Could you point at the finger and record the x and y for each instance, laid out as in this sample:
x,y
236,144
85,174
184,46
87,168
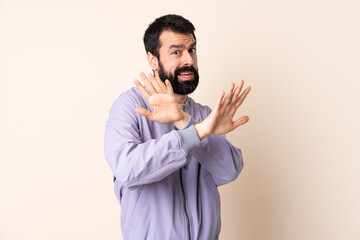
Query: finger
x,y
233,110
155,84
241,121
219,101
142,90
169,88
239,101
242,96
237,91
144,112
158,80
147,83
229,94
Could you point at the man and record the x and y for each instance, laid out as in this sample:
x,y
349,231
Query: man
x,y
168,153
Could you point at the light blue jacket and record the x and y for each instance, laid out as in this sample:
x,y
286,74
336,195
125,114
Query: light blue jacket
x,y
166,180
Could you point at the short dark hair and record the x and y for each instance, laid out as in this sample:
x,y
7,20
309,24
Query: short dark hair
x,y
175,23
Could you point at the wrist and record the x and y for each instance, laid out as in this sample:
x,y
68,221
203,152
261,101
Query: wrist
x,y
180,124
200,131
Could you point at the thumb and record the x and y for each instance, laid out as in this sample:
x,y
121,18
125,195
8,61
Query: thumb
x,y
241,121
144,112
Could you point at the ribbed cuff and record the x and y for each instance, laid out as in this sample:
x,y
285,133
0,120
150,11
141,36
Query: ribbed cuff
x,y
189,138
190,122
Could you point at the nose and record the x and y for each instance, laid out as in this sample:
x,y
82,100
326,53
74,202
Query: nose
x,y
187,59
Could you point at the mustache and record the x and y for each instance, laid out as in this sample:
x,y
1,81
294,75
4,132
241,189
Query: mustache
x,y
185,69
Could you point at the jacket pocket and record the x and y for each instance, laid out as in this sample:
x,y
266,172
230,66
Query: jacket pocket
x,y
139,207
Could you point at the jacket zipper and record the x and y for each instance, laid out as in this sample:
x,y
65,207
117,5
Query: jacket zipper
x,y
185,207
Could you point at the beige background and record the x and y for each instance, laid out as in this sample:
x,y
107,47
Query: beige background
x,y
63,63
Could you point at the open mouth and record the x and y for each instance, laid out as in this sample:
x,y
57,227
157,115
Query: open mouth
x,y
185,76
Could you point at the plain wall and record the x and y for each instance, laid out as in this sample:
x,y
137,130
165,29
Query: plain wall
x,y
63,63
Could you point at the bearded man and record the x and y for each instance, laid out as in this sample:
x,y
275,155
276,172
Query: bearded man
x,y
169,154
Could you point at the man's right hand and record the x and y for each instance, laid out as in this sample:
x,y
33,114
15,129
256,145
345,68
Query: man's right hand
x,y
161,98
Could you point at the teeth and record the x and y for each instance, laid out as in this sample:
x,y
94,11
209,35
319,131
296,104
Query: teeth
x,y
185,74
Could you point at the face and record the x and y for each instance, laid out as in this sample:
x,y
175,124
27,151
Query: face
x,y
178,61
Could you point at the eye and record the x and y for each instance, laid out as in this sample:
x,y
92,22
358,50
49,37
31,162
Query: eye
x,y
192,50
177,52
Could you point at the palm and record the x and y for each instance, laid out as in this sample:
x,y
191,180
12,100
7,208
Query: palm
x,y
165,108
161,98
219,123
220,120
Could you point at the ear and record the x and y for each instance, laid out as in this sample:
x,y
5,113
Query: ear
x,y
153,61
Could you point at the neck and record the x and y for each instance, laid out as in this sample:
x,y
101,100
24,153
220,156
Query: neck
x,y
181,99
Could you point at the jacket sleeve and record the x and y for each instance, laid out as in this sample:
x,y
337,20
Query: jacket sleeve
x,y
219,157
135,162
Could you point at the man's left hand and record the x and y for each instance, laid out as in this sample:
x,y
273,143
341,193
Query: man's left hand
x,y
220,120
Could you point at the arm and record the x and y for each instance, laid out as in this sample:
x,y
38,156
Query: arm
x,y
136,159
222,159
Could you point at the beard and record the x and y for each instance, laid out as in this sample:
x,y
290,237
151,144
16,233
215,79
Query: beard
x,y
180,87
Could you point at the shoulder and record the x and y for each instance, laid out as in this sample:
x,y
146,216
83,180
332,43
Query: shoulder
x,y
130,99
124,106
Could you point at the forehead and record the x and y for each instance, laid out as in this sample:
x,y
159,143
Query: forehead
x,y
168,38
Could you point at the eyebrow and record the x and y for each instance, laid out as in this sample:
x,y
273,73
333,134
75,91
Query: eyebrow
x,y
180,45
